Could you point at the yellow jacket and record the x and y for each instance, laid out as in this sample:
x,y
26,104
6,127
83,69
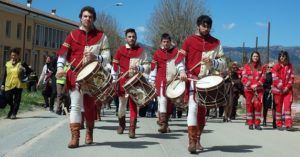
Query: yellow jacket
x,y
13,76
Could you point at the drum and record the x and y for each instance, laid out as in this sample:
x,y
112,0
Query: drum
x,y
210,91
175,93
139,90
95,81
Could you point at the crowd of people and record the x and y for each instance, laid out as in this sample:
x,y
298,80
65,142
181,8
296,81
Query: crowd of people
x,y
264,86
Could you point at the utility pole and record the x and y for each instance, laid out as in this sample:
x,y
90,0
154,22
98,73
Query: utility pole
x,y
268,44
243,53
256,44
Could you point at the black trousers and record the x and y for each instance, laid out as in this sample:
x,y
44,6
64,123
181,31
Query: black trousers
x,y
13,98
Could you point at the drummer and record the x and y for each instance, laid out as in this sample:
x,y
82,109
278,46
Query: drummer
x,y
127,61
200,53
162,73
83,45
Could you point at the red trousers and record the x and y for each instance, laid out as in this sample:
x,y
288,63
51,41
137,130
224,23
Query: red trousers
x,y
285,101
253,107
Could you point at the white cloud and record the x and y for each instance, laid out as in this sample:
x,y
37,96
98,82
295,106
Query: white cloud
x,y
229,26
141,29
261,24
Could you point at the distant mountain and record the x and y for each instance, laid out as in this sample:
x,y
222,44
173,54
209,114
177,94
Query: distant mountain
x,y
235,54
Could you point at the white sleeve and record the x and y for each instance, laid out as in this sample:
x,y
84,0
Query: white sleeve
x,y
114,74
220,62
180,67
152,76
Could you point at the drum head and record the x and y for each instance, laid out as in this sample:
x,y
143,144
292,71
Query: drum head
x,y
175,89
208,82
132,79
86,70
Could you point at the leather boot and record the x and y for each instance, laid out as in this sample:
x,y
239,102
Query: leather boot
x,y
199,132
122,125
158,122
164,123
132,128
192,131
74,127
89,132
82,120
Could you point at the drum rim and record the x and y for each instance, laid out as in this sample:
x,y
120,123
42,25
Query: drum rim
x,y
98,66
133,79
212,86
176,96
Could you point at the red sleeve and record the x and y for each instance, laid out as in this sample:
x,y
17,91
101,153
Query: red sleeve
x,y
65,47
276,82
182,52
245,76
116,60
154,61
291,78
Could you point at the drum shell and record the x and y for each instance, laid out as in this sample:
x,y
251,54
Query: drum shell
x,y
139,90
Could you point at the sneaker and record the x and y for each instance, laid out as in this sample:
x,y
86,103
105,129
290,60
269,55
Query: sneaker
x,y
251,127
257,127
13,117
280,128
289,128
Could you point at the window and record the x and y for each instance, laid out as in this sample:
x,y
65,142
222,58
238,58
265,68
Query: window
x,y
37,34
19,31
6,55
8,28
28,36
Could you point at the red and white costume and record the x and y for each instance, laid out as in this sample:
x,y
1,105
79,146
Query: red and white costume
x,y
195,49
253,75
124,58
163,71
72,51
283,77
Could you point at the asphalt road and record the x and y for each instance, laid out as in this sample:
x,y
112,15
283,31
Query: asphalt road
x,y
44,134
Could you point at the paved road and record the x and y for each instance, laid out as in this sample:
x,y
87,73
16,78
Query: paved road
x,y
45,134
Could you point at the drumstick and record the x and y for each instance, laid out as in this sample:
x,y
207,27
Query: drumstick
x,y
122,76
78,65
176,85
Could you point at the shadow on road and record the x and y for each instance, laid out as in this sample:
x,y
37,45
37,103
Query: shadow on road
x,y
233,149
37,117
125,145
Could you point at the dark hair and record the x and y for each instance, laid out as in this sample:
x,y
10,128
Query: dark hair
x,y
130,30
90,10
255,52
204,19
165,36
15,50
284,53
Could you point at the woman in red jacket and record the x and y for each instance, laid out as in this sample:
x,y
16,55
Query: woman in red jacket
x,y
282,88
252,79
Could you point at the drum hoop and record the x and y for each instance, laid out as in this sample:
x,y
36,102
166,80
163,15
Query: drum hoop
x,y
88,76
177,95
211,88
133,81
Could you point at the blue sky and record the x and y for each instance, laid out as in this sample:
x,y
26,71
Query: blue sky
x,y
234,21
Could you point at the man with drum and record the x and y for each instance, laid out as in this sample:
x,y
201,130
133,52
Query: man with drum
x,y
127,61
82,46
163,71
200,54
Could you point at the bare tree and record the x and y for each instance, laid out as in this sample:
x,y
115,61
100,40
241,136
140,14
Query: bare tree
x,y
176,17
110,27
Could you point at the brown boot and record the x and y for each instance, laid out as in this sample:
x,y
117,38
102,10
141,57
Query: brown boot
x,y
192,130
132,128
122,125
89,132
198,144
74,127
82,120
164,123
158,122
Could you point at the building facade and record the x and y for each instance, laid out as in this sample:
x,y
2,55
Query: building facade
x,y
36,33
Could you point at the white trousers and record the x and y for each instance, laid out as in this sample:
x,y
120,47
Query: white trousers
x,y
162,101
76,105
122,106
193,107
